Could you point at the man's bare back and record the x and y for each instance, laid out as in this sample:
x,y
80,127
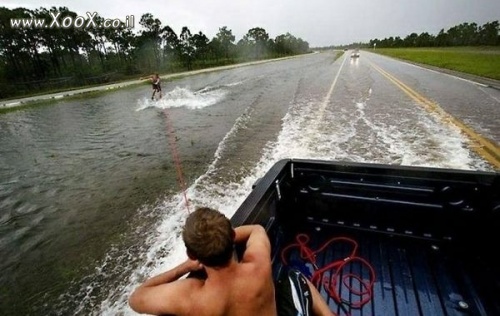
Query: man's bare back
x,y
240,289
230,286
235,287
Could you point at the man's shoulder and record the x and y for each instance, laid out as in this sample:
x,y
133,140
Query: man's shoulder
x,y
255,267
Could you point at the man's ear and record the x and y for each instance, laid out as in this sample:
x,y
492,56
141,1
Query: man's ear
x,y
233,234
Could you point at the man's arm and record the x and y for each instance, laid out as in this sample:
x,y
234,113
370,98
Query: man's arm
x,y
158,295
257,242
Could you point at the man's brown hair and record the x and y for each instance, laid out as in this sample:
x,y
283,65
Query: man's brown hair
x,y
209,237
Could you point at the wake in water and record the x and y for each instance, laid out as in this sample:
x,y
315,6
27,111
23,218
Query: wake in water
x,y
184,97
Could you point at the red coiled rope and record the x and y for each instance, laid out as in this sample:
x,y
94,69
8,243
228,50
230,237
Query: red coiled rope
x,y
176,157
331,284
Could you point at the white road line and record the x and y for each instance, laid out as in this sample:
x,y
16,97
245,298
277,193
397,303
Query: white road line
x,y
330,92
490,95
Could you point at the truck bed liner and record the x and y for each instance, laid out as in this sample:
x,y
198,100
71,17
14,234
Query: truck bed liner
x,y
411,277
428,233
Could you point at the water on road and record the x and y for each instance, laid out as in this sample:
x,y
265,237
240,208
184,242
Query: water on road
x,y
89,200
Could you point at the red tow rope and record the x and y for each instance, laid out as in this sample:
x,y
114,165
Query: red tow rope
x,y
331,284
176,157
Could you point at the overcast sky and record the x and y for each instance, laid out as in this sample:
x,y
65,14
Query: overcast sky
x,y
319,22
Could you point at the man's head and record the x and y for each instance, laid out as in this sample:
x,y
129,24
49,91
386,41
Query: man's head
x,y
209,237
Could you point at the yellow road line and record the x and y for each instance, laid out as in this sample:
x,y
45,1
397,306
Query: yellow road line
x,y
481,145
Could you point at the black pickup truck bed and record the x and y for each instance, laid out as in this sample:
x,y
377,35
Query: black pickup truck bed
x,y
428,234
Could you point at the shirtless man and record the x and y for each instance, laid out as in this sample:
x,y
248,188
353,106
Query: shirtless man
x,y
230,287
156,85
155,81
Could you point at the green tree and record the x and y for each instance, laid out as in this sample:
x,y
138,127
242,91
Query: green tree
x,y
200,42
425,40
225,39
257,38
187,47
489,34
442,38
150,39
11,42
171,47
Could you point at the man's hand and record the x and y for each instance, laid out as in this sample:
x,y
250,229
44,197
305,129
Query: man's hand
x,y
192,265
174,274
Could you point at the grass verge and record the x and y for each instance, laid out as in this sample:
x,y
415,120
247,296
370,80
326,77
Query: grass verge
x,y
338,55
480,61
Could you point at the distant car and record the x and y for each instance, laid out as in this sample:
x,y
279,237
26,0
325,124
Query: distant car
x,y
355,55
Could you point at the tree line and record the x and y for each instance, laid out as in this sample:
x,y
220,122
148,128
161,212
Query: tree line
x,y
465,34
40,59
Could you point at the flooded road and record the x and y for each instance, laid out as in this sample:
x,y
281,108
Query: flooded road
x,y
89,200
